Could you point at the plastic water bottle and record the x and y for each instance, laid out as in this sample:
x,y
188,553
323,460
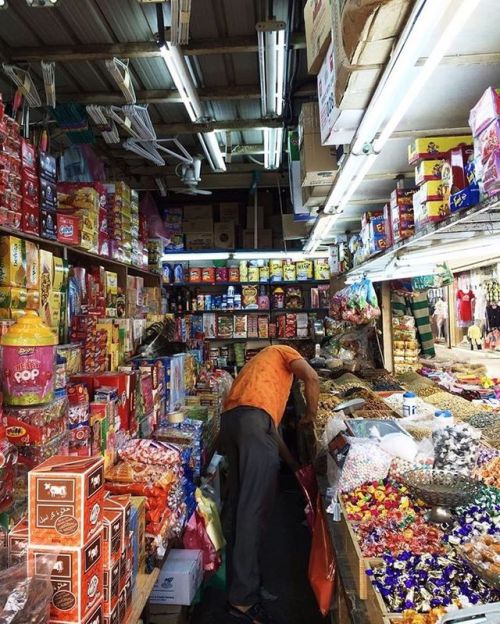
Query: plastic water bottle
x,y
443,418
409,404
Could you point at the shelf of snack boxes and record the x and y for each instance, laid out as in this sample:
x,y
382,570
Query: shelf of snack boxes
x,y
359,537
82,253
239,283
379,261
264,311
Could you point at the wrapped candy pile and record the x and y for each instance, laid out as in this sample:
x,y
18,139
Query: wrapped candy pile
x,y
423,582
397,533
378,499
456,447
472,521
489,473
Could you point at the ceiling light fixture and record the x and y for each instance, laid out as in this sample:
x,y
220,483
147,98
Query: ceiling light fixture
x,y
195,257
179,71
4,4
444,20
271,36
181,16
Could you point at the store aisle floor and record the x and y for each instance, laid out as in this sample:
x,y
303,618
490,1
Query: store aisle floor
x,y
285,570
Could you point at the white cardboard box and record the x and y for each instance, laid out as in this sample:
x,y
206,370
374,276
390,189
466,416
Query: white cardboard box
x,y
318,26
338,127
179,579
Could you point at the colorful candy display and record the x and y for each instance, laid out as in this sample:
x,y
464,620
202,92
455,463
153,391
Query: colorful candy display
x,y
397,533
376,499
423,582
472,521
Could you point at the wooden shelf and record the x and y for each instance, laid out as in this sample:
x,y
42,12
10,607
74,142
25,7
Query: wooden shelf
x,y
281,283
253,311
81,254
143,588
294,339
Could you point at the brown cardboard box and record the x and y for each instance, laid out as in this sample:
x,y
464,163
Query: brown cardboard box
x,y
293,230
309,122
65,500
318,166
197,225
314,196
264,239
224,235
318,24
250,216
200,211
200,240
229,211
363,33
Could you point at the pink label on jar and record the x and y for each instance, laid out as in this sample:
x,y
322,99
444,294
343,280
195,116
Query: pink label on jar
x,y
28,375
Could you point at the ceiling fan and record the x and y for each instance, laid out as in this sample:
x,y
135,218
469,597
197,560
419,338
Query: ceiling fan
x,y
189,173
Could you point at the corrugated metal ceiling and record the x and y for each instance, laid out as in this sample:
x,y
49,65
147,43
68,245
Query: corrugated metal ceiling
x,y
103,22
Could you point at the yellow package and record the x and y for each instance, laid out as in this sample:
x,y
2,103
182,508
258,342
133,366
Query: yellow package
x,y
32,266
55,301
428,170
432,148
289,271
321,269
433,190
46,276
58,275
276,270
12,261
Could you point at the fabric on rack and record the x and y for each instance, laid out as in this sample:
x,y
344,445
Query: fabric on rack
x,y
417,306
465,302
493,316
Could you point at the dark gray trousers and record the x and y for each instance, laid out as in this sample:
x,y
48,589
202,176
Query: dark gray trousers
x,y
248,440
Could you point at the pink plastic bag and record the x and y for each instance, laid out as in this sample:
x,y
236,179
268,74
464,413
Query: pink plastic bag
x,y
196,538
307,480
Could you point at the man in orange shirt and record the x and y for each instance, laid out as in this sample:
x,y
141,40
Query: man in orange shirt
x,y
250,440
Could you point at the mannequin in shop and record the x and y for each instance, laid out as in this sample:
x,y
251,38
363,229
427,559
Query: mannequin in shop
x,y
440,316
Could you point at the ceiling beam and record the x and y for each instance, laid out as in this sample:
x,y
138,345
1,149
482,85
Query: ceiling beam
x,y
138,50
214,181
175,129
149,169
171,96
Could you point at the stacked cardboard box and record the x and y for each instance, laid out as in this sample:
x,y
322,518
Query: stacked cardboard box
x,y
318,166
65,521
10,172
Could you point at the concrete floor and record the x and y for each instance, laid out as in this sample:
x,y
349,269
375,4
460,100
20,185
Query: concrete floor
x,y
285,566
463,354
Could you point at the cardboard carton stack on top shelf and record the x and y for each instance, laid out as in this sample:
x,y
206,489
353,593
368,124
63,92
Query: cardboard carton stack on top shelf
x,y
318,165
10,171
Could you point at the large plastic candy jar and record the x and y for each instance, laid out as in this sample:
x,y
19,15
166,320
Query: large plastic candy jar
x,y
28,362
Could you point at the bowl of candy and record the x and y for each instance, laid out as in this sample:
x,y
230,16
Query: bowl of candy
x,y
442,490
482,555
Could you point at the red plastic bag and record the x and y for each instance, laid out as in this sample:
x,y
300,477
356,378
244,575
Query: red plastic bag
x,y
196,538
306,477
322,566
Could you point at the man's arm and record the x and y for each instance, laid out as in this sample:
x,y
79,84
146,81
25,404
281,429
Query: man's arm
x,y
305,372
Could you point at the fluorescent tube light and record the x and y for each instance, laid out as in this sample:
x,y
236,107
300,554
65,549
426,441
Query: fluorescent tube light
x,y
194,257
4,4
276,255
271,36
320,229
273,145
176,65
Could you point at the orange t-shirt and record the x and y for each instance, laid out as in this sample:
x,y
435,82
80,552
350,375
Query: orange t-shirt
x,y
265,382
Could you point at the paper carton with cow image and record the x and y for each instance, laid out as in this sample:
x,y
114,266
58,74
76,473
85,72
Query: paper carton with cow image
x,y
66,501
77,579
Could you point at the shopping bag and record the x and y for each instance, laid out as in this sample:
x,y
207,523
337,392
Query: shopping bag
x,y
322,566
196,538
306,477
